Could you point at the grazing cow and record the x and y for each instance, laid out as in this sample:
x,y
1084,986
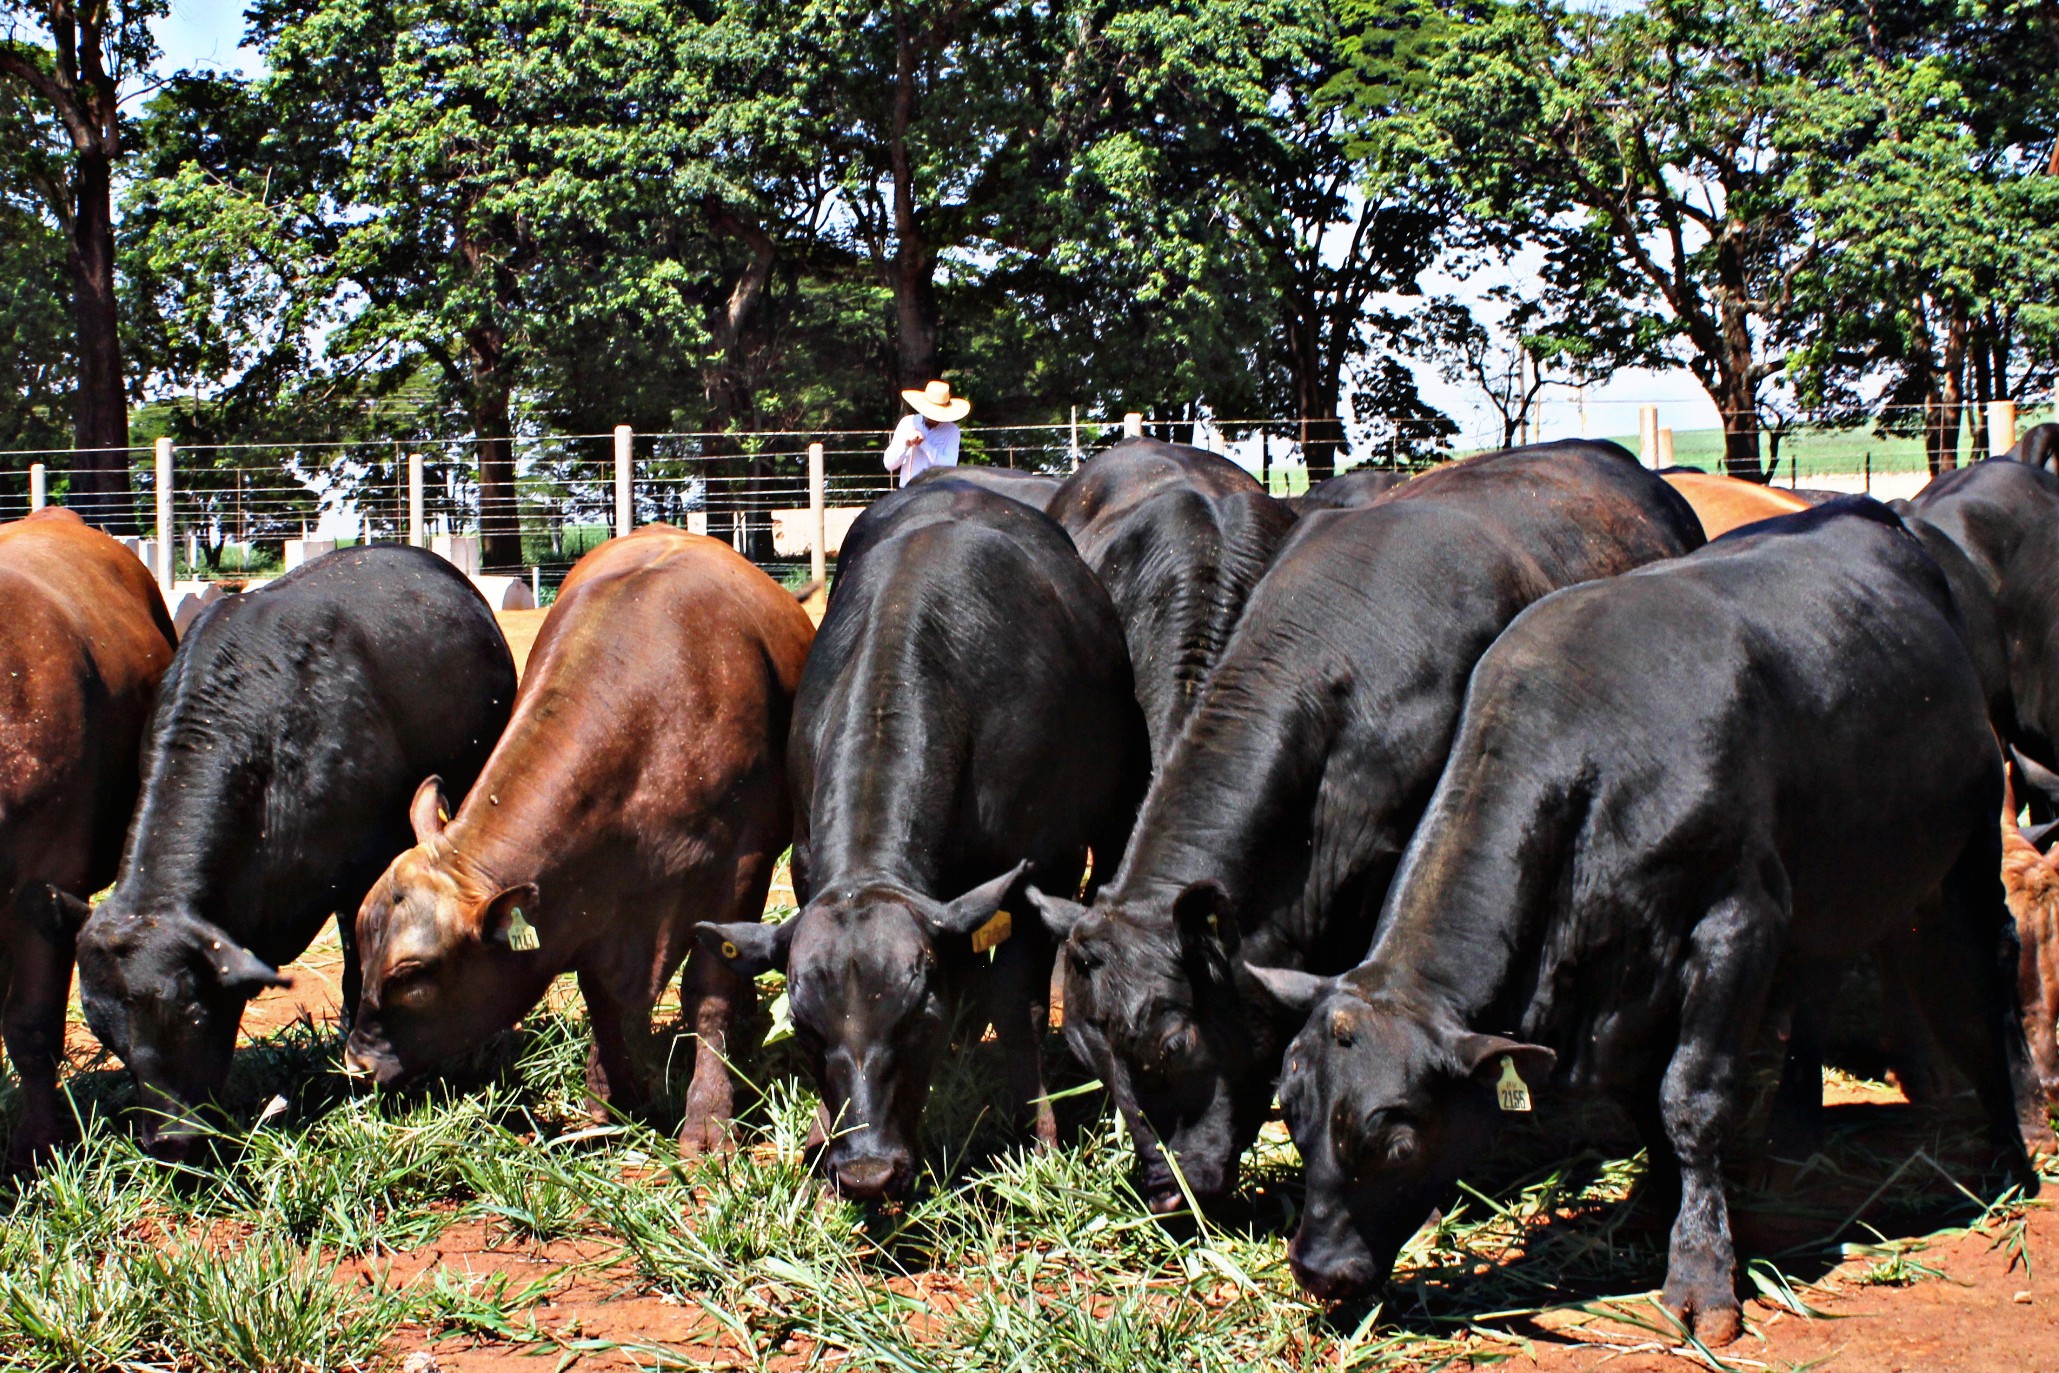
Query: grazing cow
x,y
1726,503
1031,488
639,789
293,726
2030,880
1179,537
1273,828
1988,508
967,717
1679,801
86,640
1359,486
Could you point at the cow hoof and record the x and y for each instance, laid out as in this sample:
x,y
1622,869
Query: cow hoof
x,y
1713,1322
706,1137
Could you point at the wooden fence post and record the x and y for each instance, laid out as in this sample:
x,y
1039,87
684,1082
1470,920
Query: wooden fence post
x,y
625,496
818,517
38,489
415,501
2001,426
1648,435
164,515
1665,448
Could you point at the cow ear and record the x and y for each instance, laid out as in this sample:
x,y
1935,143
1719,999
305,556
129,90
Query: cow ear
x,y
62,915
1208,929
748,947
429,812
1059,914
1293,991
236,969
509,918
1480,1056
979,905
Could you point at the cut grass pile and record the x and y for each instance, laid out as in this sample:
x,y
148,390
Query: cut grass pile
x,y
278,1252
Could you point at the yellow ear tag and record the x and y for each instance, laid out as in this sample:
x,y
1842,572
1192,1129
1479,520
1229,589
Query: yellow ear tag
x,y
443,814
1510,1091
731,951
521,934
995,931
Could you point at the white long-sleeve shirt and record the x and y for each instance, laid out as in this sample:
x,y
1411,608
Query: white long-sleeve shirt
x,y
936,446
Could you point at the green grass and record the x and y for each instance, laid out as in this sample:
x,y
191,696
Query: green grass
x,y
278,1251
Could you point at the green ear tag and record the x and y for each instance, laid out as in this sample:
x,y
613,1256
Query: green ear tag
x,y
521,934
1510,1091
994,932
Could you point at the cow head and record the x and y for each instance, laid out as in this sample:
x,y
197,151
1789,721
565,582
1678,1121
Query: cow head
x,y
1388,1105
1157,1003
871,1010
164,989
448,959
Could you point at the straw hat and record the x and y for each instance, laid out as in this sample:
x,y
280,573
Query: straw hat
x,y
935,402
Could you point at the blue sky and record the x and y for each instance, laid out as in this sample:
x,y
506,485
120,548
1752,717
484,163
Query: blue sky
x,y
207,33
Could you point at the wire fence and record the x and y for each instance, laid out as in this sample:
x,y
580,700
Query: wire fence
x,y
531,505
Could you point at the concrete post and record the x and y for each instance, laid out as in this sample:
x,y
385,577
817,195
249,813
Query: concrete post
x,y
1075,438
1665,447
625,499
38,490
536,586
1648,435
415,534
165,551
818,517
2001,426
1133,425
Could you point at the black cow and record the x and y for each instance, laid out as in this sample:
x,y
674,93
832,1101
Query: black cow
x,y
1273,828
966,717
1988,508
1359,486
1031,488
1179,537
292,729
1680,801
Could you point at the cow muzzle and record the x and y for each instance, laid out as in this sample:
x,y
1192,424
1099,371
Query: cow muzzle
x,y
1333,1277
874,1177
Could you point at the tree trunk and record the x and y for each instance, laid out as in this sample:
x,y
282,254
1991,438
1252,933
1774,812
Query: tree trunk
x,y
100,483
1738,399
1737,389
1951,390
912,276
500,525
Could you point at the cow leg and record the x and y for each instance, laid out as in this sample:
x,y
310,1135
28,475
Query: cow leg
x,y
1919,1060
37,983
621,1032
714,1000
1797,1125
1968,996
1658,1191
353,970
1730,963
1019,1007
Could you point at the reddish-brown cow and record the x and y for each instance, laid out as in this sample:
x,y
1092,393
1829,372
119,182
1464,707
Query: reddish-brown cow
x,y
84,642
640,789
2031,881
1725,503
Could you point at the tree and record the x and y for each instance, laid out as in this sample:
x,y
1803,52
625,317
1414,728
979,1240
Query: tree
x,y
1643,144
36,336
93,46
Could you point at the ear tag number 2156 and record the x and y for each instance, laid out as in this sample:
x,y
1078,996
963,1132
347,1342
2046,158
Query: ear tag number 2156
x,y
1510,1091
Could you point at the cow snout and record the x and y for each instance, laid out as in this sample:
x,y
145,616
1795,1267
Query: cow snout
x,y
1329,1276
874,1177
367,1061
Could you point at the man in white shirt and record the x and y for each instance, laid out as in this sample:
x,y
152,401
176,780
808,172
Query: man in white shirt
x,y
929,437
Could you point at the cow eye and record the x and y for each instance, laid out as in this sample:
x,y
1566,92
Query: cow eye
x,y
407,983
1401,1145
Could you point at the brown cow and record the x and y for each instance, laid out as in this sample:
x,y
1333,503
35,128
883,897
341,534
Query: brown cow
x,y
2031,881
1725,503
639,790
84,641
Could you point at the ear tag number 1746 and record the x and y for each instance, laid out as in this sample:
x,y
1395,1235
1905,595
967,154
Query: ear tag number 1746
x,y
1510,1091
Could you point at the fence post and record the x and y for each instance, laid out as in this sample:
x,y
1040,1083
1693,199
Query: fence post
x,y
1075,438
1665,447
38,491
2001,426
1133,425
1648,435
415,501
535,586
818,517
164,515
625,501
